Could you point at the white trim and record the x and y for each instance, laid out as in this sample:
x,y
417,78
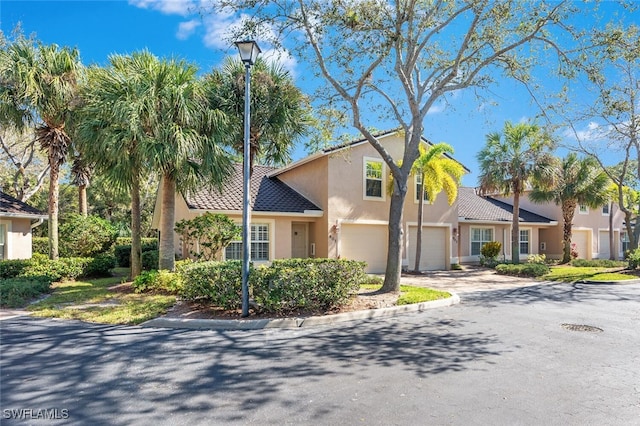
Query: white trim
x,y
608,212
7,239
580,206
503,222
362,222
471,228
23,215
271,223
416,200
529,242
383,179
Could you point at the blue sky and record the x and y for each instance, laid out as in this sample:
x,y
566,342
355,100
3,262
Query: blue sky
x,y
173,28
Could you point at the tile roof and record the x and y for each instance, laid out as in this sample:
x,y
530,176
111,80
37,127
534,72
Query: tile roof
x,y
267,194
14,207
472,206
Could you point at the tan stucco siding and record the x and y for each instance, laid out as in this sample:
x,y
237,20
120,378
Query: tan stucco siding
x,y
18,238
310,180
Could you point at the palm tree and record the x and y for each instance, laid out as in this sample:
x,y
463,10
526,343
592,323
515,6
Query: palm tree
x,y
152,115
80,177
41,86
577,181
437,173
508,163
280,113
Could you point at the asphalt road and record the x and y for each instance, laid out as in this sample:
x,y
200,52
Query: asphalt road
x,y
498,358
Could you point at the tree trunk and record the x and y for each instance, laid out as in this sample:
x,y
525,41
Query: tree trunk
x,y
515,229
394,253
612,251
167,223
54,189
568,210
136,241
419,233
82,200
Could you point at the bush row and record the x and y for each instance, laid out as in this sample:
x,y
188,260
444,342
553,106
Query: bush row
x,y
285,286
598,263
16,292
523,269
122,252
65,268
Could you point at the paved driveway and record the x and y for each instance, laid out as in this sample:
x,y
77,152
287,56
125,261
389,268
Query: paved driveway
x,y
501,357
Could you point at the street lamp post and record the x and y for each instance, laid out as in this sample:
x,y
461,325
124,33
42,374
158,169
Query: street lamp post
x,y
249,51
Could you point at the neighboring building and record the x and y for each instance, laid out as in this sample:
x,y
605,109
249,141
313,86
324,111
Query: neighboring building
x,y
335,204
17,219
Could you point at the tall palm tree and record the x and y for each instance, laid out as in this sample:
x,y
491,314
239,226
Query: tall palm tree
x,y
80,177
280,113
437,173
509,161
577,181
43,86
152,115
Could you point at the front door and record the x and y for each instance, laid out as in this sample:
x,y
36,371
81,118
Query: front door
x,y
299,240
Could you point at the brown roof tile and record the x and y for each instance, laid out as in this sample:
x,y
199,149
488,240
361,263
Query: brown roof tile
x,y
13,206
472,206
267,194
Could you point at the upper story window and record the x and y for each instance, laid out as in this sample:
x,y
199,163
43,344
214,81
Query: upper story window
x,y
582,209
373,179
418,180
606,209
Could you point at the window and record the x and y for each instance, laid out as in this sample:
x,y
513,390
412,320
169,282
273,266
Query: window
x,y
259,237
605,210
524,241
582,209
625,242
418,179
3,245
480,236
373,179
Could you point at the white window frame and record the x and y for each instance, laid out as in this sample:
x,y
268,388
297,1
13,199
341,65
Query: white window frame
x,y
416,183
608,212
582,209
383,179
482,242
7,232
529,233
269,241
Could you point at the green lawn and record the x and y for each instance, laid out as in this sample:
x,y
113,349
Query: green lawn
x,y
410,294
93,301
573,274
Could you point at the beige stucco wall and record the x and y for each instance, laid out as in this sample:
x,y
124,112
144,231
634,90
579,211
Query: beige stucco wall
x,y
18,241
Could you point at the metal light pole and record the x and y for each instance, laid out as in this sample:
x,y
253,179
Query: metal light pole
x,y
249,51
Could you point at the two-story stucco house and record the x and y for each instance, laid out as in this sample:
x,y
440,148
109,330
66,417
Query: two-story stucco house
x,y
335,204
331,204
17,219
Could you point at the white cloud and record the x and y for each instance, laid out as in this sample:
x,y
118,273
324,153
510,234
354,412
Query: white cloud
x,y
287,61
168,7
185,29
436,109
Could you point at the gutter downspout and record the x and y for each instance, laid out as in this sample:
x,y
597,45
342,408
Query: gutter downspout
x,y
38,223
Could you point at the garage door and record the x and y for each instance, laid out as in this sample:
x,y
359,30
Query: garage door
x,y
603,245
434,255
581,240
367,243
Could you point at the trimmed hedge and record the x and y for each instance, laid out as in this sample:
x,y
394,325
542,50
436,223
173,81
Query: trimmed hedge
x,y
150,260
158,282
16,292
285,286
122,252
598,263
312,284
40,245
523,269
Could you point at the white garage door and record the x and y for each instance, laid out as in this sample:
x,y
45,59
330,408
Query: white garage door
x,y
434,248
581,240
603,245
367,243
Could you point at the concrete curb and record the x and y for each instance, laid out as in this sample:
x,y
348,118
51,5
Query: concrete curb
x,y
618,282
192,323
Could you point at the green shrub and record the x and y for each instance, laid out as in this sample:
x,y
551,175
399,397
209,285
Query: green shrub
x,y
491,250
12,268
206,235
537,258
86,236
313,284
122,252
523,270
100,266
65,268
16,292
150,260
634,259
158,281
40,245
220,283
598,263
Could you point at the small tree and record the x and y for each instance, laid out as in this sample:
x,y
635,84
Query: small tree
x,y
86,236
207,235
